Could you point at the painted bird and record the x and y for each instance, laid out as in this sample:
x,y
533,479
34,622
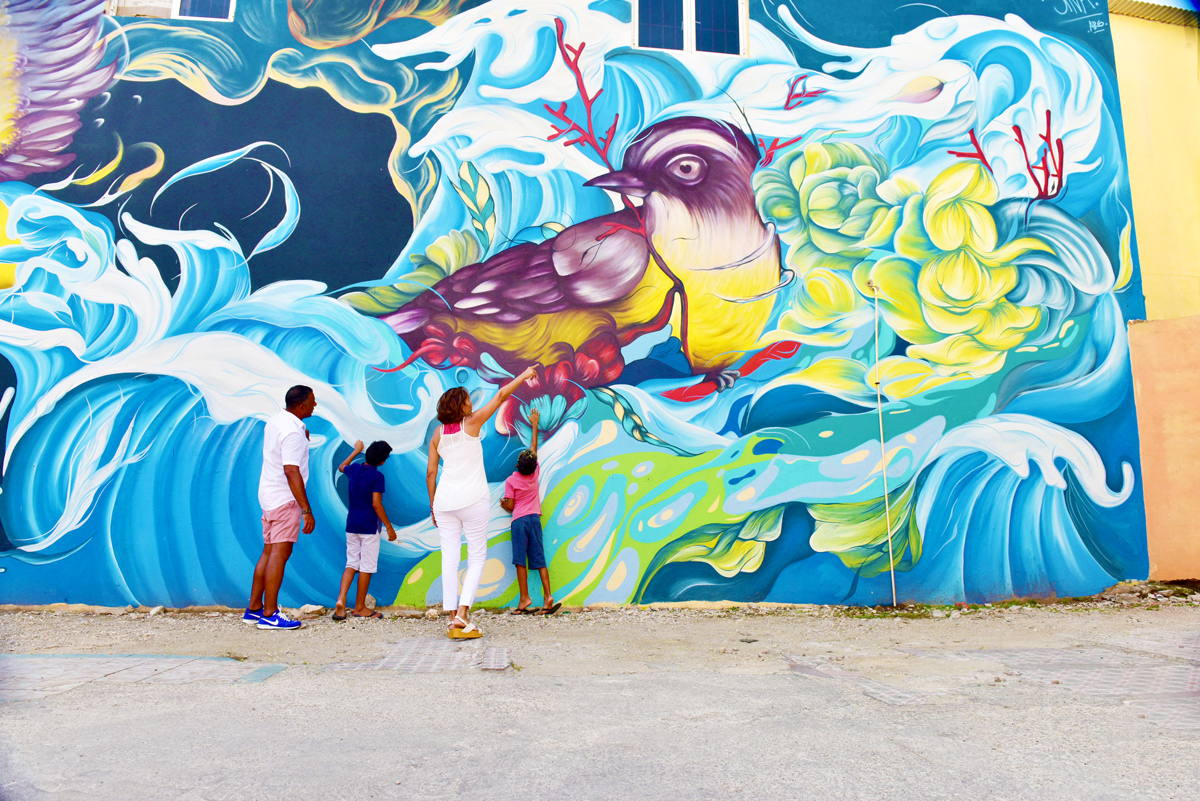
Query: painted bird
x,y
593,288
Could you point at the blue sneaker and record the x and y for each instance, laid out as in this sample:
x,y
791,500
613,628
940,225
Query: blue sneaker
x,y
252,617
279,622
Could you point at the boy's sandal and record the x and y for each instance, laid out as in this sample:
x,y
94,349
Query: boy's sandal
x,y
522,610
338,618
372,616
551,610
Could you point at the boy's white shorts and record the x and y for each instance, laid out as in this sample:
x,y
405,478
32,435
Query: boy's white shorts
x,y
362,552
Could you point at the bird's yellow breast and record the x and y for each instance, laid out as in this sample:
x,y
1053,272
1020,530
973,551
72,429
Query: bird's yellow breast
x,y
728,268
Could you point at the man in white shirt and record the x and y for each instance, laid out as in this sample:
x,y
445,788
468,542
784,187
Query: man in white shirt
x,y
284,502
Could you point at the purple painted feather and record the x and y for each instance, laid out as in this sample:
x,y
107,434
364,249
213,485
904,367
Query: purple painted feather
x,y
586,265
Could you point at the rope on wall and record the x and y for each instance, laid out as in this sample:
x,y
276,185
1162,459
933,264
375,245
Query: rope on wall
x,y
887,500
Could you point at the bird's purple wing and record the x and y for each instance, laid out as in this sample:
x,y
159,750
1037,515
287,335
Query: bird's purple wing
x,y
590,264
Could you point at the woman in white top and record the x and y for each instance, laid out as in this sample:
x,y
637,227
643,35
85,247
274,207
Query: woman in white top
x,y
459,501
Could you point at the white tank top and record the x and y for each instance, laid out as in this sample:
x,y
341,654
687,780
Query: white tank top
x,y
463,481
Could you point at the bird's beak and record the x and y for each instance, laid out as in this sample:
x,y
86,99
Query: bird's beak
x,y
623,181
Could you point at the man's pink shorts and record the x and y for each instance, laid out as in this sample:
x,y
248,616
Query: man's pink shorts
x,y
282,524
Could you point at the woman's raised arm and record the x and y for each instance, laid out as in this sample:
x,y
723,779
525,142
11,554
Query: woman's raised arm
x,y
474,423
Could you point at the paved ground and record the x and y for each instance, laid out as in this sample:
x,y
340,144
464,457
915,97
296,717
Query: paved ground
x,y
28,678
1092,701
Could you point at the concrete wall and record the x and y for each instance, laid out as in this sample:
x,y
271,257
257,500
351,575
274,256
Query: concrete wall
x,y
1166,367
729,273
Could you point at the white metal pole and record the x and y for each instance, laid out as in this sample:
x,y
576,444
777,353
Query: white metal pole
x,y
887,501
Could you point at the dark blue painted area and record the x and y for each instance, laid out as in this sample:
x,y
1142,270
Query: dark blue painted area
x,y
794,406
353,222
733,423
766,446
739,479
665,360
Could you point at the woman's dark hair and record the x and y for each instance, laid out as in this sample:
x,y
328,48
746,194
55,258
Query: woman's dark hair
x,y
527,462
450,405
377,452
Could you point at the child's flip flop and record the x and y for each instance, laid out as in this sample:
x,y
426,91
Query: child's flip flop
x,y
338,618
372,616
522,611
551,610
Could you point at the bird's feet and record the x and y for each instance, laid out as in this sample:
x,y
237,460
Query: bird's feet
x,y
724,379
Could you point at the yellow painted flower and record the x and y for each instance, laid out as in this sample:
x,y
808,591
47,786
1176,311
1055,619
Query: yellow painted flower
x,y
832,204
947,292
825,311
956,213
935,259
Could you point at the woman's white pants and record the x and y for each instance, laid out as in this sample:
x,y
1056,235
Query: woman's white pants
x,y
473,523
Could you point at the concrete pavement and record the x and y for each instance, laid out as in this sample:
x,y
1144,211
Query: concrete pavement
x,y
1025,703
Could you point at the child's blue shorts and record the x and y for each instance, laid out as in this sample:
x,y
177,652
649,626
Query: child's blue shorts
x,y
527,542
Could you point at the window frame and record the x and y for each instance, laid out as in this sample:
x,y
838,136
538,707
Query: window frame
x,y
689,30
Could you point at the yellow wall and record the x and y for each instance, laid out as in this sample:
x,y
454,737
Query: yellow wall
x,y
1158,70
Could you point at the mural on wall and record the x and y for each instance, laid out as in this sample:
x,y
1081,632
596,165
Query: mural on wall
x,y
892,249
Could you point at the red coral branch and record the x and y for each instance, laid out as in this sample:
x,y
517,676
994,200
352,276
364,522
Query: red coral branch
x,y
780,350
977,153
1051,165
796,99
775,146
613,227
586,136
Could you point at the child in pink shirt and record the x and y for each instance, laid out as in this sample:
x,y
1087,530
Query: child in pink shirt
x,y
523,499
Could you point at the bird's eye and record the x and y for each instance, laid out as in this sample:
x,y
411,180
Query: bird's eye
x,y
687,169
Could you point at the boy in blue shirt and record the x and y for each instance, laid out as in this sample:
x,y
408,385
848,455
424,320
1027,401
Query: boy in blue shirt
x,y
363,523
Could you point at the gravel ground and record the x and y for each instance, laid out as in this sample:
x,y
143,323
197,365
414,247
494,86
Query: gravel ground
x,y
701,636
647,703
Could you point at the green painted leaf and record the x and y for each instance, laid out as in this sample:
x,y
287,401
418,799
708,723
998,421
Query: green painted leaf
x,y
857,533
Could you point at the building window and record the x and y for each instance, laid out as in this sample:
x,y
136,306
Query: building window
x,y
203,9
705,26
211,10
660,24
